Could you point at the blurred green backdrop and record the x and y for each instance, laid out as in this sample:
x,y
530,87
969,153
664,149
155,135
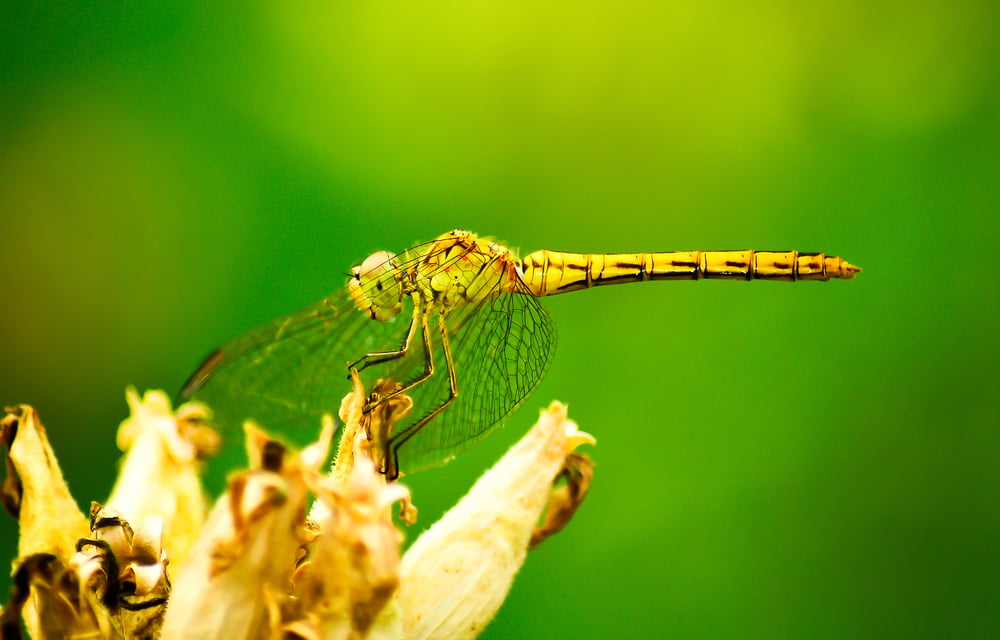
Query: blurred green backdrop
x,y
810,460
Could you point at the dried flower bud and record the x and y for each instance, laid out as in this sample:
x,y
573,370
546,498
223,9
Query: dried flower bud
x,y
50,521
352,570
160,470
259,569
238,576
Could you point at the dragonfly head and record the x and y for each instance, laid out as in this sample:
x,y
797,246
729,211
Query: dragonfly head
x,y
375,286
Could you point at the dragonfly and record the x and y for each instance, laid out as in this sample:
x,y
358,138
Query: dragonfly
x,y
456,323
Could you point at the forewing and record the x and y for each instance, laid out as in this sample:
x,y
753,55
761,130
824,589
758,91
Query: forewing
x,y
289,372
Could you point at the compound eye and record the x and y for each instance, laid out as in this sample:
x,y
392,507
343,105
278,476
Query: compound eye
x,y
375,265
374,287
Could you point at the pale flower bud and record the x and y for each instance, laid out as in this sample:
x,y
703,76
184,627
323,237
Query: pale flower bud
x,y
160,470
456,575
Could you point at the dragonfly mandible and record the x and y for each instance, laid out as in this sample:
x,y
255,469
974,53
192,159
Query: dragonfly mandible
x,y
456,322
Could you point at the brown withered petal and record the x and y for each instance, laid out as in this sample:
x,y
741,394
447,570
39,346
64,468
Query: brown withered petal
x,y
456,575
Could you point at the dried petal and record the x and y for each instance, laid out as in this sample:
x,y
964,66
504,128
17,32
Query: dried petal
x,y
366,434
12,489
457,574
238,574
49,519
565,500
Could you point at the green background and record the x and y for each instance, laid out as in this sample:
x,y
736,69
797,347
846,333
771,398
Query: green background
x,y
809,460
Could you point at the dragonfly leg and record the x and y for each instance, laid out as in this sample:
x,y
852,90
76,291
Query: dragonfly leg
x,y
398,440
427,373
378,357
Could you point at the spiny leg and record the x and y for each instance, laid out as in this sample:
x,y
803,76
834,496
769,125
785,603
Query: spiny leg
x,y
427,373
378,357
402,437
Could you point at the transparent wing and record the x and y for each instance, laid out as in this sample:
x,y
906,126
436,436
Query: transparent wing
x,y
502,348
287,373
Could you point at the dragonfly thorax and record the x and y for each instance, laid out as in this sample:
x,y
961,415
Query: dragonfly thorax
x,y
461,268
375,286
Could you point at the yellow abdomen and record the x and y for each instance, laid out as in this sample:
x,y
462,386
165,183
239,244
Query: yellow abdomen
x,y
550,272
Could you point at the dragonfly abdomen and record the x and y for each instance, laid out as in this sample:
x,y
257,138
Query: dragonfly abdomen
x,y
551,272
